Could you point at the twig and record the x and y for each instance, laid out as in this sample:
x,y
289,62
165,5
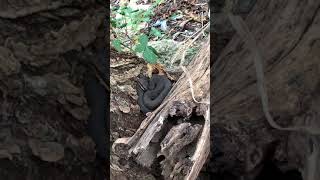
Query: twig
x,y
187,43
243,30
201,4
184,48
191,87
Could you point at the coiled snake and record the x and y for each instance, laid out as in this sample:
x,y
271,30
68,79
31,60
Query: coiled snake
x,y
151,92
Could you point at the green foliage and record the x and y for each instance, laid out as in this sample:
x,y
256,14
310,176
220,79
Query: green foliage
x,y
129,24
156,32
148,53
117,44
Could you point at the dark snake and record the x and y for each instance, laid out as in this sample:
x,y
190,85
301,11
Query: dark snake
x,y
151,92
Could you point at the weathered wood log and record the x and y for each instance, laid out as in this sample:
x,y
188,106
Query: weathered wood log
x,y
288,34
183,146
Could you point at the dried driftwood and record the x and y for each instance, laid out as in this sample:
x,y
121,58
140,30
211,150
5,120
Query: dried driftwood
x,y
183,147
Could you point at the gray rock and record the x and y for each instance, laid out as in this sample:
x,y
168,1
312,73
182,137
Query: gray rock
x,y
83,148
8,149
9,64
24,115
47,151
39,84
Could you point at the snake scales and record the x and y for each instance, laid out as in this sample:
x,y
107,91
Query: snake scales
x,y
151,92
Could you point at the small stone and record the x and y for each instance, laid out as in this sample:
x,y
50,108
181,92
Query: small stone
x,y
81,114
113,107
128,89
9,64
71,141
43,131
12,148
47,151
113,82
121,177
115,135
61,99
5,134
4,154
124,109
123,105
75,99
7,149
38,84
135,108
86,149
24,115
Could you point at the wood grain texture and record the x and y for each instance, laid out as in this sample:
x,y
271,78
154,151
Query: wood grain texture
x,y
288,35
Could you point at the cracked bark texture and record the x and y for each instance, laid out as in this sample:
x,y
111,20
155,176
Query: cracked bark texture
x,y
46,49
288,34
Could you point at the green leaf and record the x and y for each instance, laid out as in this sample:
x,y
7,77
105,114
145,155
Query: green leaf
x,y
122,25
135,11
113,23
155,32
159,2
146,19
150,56
117,44
149,12
128,10
139,48
114,8
154,50
143,40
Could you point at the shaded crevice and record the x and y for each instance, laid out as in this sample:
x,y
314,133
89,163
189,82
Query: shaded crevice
x,y
162,165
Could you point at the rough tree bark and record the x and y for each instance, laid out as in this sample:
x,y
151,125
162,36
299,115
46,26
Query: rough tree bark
x,y
288,35
182,146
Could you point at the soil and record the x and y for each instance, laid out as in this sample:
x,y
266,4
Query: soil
x,y
44,58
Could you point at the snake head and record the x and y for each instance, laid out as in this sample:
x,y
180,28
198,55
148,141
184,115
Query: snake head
x,y
143,82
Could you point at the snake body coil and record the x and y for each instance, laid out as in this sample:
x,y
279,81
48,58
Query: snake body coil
x,y
152,92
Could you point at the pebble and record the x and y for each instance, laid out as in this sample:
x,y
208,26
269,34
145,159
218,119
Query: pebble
x,y
47,151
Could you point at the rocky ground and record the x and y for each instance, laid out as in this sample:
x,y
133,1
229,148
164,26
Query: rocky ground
x,y
45,49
